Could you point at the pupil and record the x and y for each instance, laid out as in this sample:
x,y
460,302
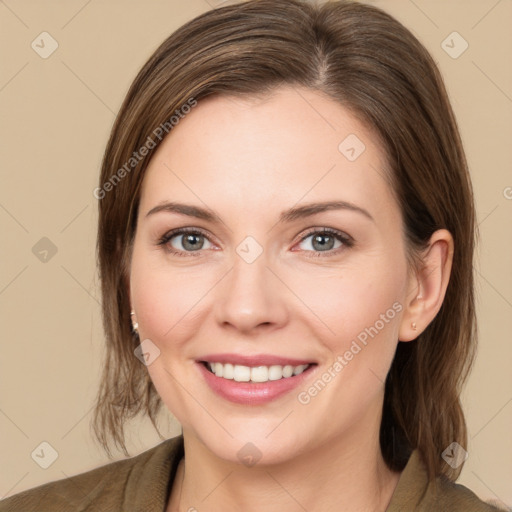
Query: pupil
x,y
323,244
189,239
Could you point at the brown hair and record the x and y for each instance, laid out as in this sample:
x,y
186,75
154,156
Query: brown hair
x,y
371,64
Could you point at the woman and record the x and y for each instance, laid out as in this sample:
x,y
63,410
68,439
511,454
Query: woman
x,y
286,234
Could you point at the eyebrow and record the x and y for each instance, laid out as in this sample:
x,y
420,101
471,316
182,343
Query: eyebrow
x,y
290,215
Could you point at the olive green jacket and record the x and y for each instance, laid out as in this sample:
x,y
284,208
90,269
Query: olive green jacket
x,y
143,484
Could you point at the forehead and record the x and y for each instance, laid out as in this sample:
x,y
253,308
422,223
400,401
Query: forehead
x,y
293,145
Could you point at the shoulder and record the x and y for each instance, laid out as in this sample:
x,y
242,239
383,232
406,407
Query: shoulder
x,y
108,487
414,492
71,492
452,496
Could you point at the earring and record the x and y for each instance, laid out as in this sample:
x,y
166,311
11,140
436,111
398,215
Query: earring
x,y
413,325
135,325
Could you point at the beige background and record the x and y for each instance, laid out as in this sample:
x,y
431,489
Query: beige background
x,y
56,116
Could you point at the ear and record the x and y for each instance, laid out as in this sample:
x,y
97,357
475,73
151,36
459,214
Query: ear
x,y
427,287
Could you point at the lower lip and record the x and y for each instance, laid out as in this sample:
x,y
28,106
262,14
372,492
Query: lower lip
x,y
250,393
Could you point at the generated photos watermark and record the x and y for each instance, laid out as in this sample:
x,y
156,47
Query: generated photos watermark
x,y
151,142
342,360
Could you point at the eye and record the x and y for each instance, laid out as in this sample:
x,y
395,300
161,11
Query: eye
x,y
185,242
191,241
324,241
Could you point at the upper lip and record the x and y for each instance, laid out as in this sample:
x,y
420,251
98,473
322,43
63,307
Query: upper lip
x,y
254,360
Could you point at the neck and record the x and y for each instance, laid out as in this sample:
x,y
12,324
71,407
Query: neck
x,y
344,473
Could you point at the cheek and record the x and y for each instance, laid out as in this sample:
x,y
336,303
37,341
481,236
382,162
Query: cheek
x,y
362,310
351,300
165,298
158,302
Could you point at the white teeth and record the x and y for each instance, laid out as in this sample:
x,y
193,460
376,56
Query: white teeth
x,y
241,373
259,374
227,371
299,369
218,369
275,372
287,371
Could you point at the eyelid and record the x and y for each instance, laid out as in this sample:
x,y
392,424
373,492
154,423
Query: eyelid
x,y
332,231
165,239
347,240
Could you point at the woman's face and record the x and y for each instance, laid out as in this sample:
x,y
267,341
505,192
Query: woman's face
x,y
261,284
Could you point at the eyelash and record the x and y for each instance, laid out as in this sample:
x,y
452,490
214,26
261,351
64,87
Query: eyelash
x,y
347,241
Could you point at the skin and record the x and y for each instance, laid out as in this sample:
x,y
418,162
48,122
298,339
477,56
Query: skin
x,y
247,160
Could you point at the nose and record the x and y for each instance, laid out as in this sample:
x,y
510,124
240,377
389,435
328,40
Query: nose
x,y
251,297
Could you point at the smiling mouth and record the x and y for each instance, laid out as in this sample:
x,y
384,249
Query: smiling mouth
x,y
256,374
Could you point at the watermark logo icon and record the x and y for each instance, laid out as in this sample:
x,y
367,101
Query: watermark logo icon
x,y
249,249
454,455
44,45
147,352
249,454
44,250
351,147
44,455
454,45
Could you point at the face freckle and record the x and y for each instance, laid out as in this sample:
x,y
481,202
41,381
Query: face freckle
x,y
256,287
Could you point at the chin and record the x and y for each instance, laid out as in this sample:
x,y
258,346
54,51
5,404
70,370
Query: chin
x,y
253,442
